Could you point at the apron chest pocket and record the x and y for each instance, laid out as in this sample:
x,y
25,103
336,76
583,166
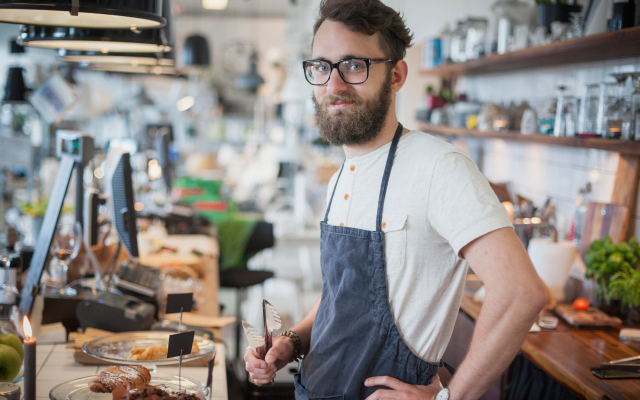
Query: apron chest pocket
x,y
394,227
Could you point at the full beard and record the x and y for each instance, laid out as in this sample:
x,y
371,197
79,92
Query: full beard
x,y
361,123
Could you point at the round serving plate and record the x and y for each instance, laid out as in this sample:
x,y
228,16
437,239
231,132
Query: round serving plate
x,y
115,348
78,389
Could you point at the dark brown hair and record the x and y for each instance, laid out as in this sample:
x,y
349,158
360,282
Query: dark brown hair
x,y
369,16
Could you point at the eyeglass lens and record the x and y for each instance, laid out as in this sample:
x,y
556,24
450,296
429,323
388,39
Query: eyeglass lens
x,y
352,71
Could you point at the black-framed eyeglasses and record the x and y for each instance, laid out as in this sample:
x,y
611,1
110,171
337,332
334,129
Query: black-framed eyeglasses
x,y
353,71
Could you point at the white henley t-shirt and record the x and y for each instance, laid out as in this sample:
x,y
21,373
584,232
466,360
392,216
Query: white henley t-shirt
x,y
437,202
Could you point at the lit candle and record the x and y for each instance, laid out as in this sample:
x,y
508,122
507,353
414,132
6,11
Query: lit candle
x,y
29,362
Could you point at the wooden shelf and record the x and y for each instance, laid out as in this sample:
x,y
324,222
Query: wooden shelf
x,y
621,146
610,45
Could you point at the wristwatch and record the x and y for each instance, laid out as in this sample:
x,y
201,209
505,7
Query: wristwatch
x,y
443,394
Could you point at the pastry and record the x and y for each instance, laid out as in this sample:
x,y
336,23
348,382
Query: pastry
x,y
148,392
157,352
133,376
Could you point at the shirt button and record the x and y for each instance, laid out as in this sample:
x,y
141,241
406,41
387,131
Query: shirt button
x,y
346,197
341,223
384,225
353,168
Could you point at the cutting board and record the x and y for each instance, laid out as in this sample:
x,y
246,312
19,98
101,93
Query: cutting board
x,y
604,219
591,317
621,389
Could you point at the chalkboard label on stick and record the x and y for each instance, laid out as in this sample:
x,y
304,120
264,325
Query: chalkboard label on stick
x,y
180,343
179,302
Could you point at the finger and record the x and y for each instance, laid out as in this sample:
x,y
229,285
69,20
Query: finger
x,y
250,355
383,394
262,377
436,382
387,381
263,381
273,354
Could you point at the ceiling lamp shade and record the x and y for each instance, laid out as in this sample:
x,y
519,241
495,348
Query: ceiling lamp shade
x,y
15,90
251,80
107,14
102,40
131,69
134,59
215,4
196,51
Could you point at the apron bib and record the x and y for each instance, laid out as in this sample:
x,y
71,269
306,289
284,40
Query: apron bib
x,y
354,335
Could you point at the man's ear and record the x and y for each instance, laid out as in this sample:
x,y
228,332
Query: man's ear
x,y
399,75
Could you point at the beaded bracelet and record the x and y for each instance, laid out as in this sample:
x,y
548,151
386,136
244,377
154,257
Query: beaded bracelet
x,y
297,345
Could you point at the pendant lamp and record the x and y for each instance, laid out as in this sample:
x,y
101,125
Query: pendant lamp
x,y
196,51
251,80
15,91
130,69
134,59
100,40
107,14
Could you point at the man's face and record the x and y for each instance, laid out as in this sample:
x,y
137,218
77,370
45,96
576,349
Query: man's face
x,y
350,114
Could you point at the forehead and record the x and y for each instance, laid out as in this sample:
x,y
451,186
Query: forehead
x,y
334,41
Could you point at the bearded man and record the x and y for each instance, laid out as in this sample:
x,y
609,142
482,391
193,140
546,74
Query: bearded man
x,y
405,215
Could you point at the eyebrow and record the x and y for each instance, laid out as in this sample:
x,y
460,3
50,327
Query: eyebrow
x,y
345,57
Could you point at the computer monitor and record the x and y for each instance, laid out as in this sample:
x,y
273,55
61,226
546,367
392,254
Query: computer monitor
x,y
118,187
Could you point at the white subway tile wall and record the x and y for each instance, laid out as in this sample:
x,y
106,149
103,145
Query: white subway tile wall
x,y
540,171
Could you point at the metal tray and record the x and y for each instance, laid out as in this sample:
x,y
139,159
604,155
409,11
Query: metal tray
x,y
115,348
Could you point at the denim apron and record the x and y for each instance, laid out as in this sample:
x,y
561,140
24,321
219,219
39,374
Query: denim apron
x,y
354,335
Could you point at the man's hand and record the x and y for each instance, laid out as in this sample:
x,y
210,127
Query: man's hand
x,y
264,371
401,390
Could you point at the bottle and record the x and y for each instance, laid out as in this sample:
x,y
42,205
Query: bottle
x,y
624,14
11,260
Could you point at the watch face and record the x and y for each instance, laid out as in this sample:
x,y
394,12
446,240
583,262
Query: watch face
x,y
443,394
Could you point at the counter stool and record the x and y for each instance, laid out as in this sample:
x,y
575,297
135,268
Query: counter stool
x,y
240,277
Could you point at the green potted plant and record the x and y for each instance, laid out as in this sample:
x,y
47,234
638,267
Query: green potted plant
x,y
605,259
558,10
626,286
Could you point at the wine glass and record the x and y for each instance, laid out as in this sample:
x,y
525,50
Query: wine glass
x,y
65,247
617,118
634,130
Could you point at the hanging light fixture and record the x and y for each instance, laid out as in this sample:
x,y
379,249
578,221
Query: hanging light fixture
x,y
101,40
251,80
139,69
215,4
108,14
133,59
196,51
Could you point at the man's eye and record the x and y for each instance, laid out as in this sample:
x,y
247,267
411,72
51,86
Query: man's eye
x,y
354,66
322,68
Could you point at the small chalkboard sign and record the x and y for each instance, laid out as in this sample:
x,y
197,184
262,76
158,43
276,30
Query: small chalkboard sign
x,y
179,302
180,344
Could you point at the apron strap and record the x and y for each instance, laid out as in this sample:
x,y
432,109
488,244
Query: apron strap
x,y
448,367
326,215
385,177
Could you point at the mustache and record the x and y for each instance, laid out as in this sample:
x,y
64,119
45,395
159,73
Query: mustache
x,y
350,98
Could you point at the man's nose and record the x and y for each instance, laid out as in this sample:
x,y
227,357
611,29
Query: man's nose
x,y
336,85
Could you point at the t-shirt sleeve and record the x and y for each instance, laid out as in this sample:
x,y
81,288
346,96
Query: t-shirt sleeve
x,y
462,206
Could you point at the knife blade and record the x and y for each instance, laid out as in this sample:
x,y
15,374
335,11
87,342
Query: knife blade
x,y
272,322
256,341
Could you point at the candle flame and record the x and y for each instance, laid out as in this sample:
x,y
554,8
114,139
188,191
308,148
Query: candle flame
x,y
26,326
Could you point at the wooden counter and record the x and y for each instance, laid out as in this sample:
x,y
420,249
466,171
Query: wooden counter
x,y
568,353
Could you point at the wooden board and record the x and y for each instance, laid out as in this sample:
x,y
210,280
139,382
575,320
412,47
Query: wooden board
x,y
603,220
620,146
625,189
589,318
621,389
609,45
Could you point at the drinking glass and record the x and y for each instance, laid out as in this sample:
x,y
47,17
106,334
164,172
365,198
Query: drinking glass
x,y
608,93
588,115
634,130
617,118
65,247
566,114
